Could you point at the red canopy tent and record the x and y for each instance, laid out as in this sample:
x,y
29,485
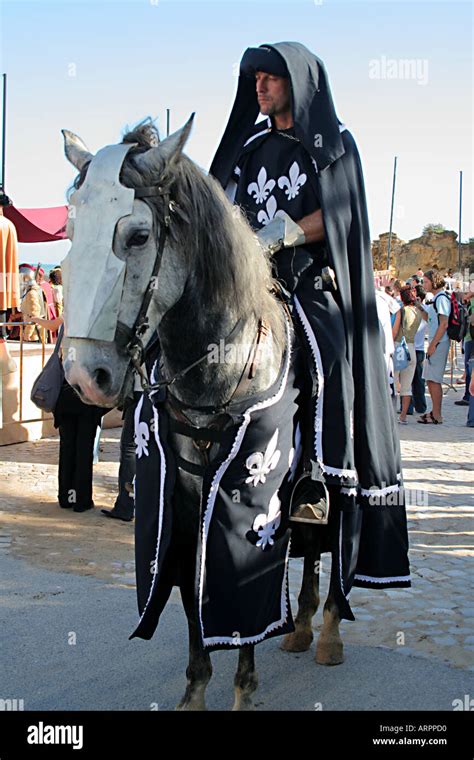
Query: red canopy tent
x,y
38,225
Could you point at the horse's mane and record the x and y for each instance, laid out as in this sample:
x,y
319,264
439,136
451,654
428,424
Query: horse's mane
x,y
221,249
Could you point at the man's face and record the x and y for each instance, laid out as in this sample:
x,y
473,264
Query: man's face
x,y
273,93
427,285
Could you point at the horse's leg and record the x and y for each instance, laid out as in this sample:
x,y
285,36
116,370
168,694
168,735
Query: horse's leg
x,y
329,649
199,670
246,679
308,599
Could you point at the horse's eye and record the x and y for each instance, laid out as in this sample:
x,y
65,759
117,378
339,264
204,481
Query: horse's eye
x,y
137,238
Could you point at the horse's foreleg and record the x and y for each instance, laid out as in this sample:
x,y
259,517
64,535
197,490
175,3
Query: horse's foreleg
x,y
246,680
329,649
199,670
308,599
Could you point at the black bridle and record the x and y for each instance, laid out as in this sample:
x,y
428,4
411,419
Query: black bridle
x,y
130,338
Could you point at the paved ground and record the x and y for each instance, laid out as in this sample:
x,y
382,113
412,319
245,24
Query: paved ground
x,y
408,649
65,647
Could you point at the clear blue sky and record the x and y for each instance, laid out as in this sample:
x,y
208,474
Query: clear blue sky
x,y
96,67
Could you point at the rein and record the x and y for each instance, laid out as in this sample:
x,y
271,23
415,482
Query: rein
x,y
203,437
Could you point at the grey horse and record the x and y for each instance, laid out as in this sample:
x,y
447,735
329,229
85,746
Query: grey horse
x,y
216,260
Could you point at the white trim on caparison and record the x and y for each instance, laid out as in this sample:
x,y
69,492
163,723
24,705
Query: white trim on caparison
x,y
341,578
209,509
161,500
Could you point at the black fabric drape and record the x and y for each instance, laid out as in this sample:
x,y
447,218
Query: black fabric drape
x,y
383,547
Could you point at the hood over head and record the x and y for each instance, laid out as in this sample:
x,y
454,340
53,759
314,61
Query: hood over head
x,y
314,116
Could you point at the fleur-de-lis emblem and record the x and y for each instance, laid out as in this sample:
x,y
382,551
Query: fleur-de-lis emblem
x,y
264,217
142,436
259,465
262,187
266,525
294,182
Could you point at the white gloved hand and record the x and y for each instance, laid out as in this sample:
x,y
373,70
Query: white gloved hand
x,y
281,232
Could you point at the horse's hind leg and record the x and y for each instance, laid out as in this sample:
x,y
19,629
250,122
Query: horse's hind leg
x,y
199,670
329,649
308,599
246,680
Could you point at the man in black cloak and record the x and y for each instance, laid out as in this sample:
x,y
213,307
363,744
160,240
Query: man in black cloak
x,y
297,175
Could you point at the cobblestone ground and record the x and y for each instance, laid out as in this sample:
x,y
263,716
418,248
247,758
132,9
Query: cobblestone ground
x,y
435,618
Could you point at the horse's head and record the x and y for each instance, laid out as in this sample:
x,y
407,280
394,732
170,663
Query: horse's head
x,y
117,216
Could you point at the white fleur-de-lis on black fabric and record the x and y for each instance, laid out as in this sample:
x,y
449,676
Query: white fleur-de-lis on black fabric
x,y
259,465
265,526
142,436
264,217
294,182
262,187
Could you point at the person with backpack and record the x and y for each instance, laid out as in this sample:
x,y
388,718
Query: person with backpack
x,y
437,315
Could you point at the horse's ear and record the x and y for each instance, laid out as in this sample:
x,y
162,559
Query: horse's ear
x,y
171,147
75,150
167,151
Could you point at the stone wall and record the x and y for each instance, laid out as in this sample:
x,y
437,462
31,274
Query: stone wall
x,y
435,250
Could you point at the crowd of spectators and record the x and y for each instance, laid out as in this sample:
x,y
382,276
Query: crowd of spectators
x,y
414,318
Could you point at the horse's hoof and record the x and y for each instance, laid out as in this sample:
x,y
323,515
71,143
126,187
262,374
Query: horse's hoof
x,y
192,705
194,700
298,641
243,706
242,702
329,653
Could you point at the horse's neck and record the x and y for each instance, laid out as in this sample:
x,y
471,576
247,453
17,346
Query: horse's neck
x,y
193,328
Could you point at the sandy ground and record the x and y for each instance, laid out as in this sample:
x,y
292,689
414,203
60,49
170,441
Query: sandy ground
x,y
60,539
436,616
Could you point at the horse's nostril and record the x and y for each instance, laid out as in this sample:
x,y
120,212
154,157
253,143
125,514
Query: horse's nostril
x,y
102,378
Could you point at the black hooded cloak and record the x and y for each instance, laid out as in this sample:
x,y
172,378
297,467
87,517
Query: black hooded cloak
x,y
370,541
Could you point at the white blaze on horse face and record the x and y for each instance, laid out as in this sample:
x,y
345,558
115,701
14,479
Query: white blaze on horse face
x,y
93,275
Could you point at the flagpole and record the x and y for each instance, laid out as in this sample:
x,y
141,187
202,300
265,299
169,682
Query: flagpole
x,y
4,129
391,213
460,218
167,122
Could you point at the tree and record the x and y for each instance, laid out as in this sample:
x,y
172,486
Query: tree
x,y
433,228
